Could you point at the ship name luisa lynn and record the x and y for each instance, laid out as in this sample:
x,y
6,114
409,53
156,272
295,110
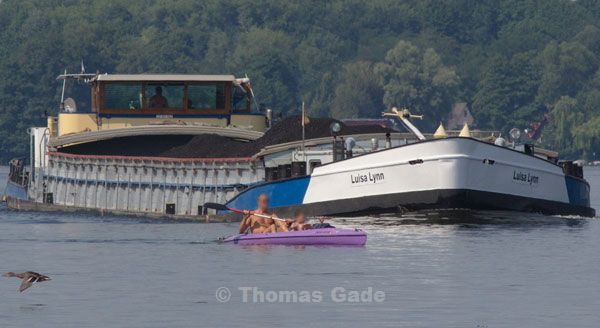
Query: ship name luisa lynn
x,y
367,178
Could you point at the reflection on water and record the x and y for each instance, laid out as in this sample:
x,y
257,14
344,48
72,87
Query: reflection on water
x,y
31,307
464,218
453,221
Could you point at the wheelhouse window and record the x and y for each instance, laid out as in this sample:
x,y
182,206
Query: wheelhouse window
x,y
164,96
239,99
122,96
206,96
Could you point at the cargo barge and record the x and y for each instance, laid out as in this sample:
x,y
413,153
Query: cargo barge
x,y
164,145
158,144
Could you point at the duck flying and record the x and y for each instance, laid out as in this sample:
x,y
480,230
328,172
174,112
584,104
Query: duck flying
x,y
28,278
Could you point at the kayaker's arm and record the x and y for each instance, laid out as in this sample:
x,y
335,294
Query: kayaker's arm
x,y
245,224
280,224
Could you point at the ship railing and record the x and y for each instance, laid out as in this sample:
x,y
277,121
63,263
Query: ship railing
x,y
17,172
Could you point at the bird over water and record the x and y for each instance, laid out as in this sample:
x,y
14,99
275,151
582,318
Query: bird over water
x,y
28,278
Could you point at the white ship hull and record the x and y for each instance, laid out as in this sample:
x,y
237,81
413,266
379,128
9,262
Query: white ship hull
x,y
442,173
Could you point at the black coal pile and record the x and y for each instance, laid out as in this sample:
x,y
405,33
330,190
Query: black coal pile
x,y
215,146
200,146
211,145
128,146
290,129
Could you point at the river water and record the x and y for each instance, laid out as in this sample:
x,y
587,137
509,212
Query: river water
x,y
426,270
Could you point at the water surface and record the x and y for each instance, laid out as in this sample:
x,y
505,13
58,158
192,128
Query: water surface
x,y
472,270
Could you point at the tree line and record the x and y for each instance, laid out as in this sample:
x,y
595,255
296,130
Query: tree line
x,y
512,61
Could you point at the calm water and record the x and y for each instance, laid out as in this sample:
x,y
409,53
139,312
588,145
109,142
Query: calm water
x,y
485,270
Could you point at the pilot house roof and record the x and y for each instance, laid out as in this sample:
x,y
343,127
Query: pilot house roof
x,y
165,77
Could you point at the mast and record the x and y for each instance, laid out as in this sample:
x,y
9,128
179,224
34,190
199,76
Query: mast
x,y
62,95
404,115
303,133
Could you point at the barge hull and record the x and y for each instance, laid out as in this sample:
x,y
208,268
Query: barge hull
x,y
160,187
440,199
436,174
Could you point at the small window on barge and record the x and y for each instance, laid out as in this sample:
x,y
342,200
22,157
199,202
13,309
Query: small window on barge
x,y
123,96
240,100
206,96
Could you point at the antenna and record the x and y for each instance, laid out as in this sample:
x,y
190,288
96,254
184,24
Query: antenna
x,y
303,133
252,93
62,96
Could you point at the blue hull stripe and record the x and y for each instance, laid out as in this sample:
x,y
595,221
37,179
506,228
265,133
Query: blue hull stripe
x,y
13,190
282,193
579,191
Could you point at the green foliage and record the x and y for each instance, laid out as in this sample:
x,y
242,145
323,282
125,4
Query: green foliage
x,y
417,80
565,115
358,93
586,138
566,68
511,60
506,93
268,57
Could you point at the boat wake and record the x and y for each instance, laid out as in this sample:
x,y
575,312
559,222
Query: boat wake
x,y
463,218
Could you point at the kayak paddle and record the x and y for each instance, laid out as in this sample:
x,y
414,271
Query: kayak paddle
x,y
221,207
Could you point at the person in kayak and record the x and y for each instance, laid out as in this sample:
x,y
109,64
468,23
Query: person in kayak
x,y
299,222
259,224
322,224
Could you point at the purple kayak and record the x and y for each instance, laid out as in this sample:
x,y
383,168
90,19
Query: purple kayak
x,y
325,236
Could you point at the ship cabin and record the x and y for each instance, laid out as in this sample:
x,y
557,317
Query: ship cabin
x,y
127,100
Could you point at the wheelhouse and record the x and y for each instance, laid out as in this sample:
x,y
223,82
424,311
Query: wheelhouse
x,y
177,94
126,100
